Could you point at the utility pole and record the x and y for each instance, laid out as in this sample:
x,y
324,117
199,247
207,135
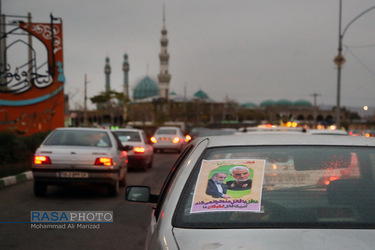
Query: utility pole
x,y
2,43
85,104
339,60
30,53
315,95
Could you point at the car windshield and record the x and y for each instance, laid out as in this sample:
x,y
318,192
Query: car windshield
x,y
166,131
78,138
280,186
128,136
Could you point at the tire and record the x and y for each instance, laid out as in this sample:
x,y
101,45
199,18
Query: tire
x,y
143,166
123,181
149,165
40,189
114,189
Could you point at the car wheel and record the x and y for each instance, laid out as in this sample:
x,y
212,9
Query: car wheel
x,y
113,190
143,166
123,181
40,189
149,165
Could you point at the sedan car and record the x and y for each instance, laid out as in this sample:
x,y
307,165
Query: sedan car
x,y
140,151
80,155
266,191
169,138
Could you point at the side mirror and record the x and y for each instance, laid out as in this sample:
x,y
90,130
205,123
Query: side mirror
x,y
140,194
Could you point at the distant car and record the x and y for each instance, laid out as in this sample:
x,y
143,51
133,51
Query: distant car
x,y
80,155
169,138
266,191
140,151
269,128
202,132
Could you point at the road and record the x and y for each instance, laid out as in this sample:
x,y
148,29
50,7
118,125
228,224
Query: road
x,y
127,231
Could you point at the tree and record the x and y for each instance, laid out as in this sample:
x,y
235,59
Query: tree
x,y
105,97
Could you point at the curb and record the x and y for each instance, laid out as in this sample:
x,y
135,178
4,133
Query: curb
x,y
11,180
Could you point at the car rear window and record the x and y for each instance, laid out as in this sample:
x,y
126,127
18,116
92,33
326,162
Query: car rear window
x,y
286,187
166,131
128,136
79,138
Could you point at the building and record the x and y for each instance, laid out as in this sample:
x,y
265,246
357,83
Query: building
x,y
153,104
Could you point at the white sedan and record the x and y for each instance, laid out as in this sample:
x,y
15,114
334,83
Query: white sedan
x,y
80,155
169,138
266,191
140,151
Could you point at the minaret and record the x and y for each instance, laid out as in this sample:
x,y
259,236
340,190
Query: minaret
x,y
164,76
107,71
125,68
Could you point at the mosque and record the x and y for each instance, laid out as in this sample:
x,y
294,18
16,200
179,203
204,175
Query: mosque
x,y
153,104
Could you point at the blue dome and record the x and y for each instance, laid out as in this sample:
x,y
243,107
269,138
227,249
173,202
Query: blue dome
x,y
284,102
145,88
248,105
201,95
302,103
267,103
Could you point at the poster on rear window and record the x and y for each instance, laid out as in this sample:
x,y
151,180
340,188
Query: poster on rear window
x,y
229,185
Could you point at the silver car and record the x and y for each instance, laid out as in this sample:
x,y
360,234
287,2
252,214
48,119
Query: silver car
x,y
140,151
266,191
169,138
80,155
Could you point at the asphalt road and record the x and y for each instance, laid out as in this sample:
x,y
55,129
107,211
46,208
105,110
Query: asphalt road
x,y
130,220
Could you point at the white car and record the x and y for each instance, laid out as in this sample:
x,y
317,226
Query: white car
x,y
169,138
140,151
80,155
266,191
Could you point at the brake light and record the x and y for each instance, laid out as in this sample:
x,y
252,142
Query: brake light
x,y
187,138
139,150
325,181
103,161
39,160
176,140
153,140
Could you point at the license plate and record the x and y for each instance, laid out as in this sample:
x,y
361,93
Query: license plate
x,y
165,138
73,175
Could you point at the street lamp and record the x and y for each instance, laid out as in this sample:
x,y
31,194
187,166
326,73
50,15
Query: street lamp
x,y
340,60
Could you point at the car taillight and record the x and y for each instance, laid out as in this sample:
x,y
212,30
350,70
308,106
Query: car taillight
x,y
39,160
325,181
153,140
139,150
103,161
176,140
187,138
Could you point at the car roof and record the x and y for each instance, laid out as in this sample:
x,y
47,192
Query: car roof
x,y
327,132
127,129
168,127
81,128
285,139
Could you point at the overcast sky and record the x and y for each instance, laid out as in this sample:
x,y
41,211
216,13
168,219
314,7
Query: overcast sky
x,y
244,50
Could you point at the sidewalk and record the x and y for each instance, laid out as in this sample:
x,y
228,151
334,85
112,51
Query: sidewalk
x,y
11,180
